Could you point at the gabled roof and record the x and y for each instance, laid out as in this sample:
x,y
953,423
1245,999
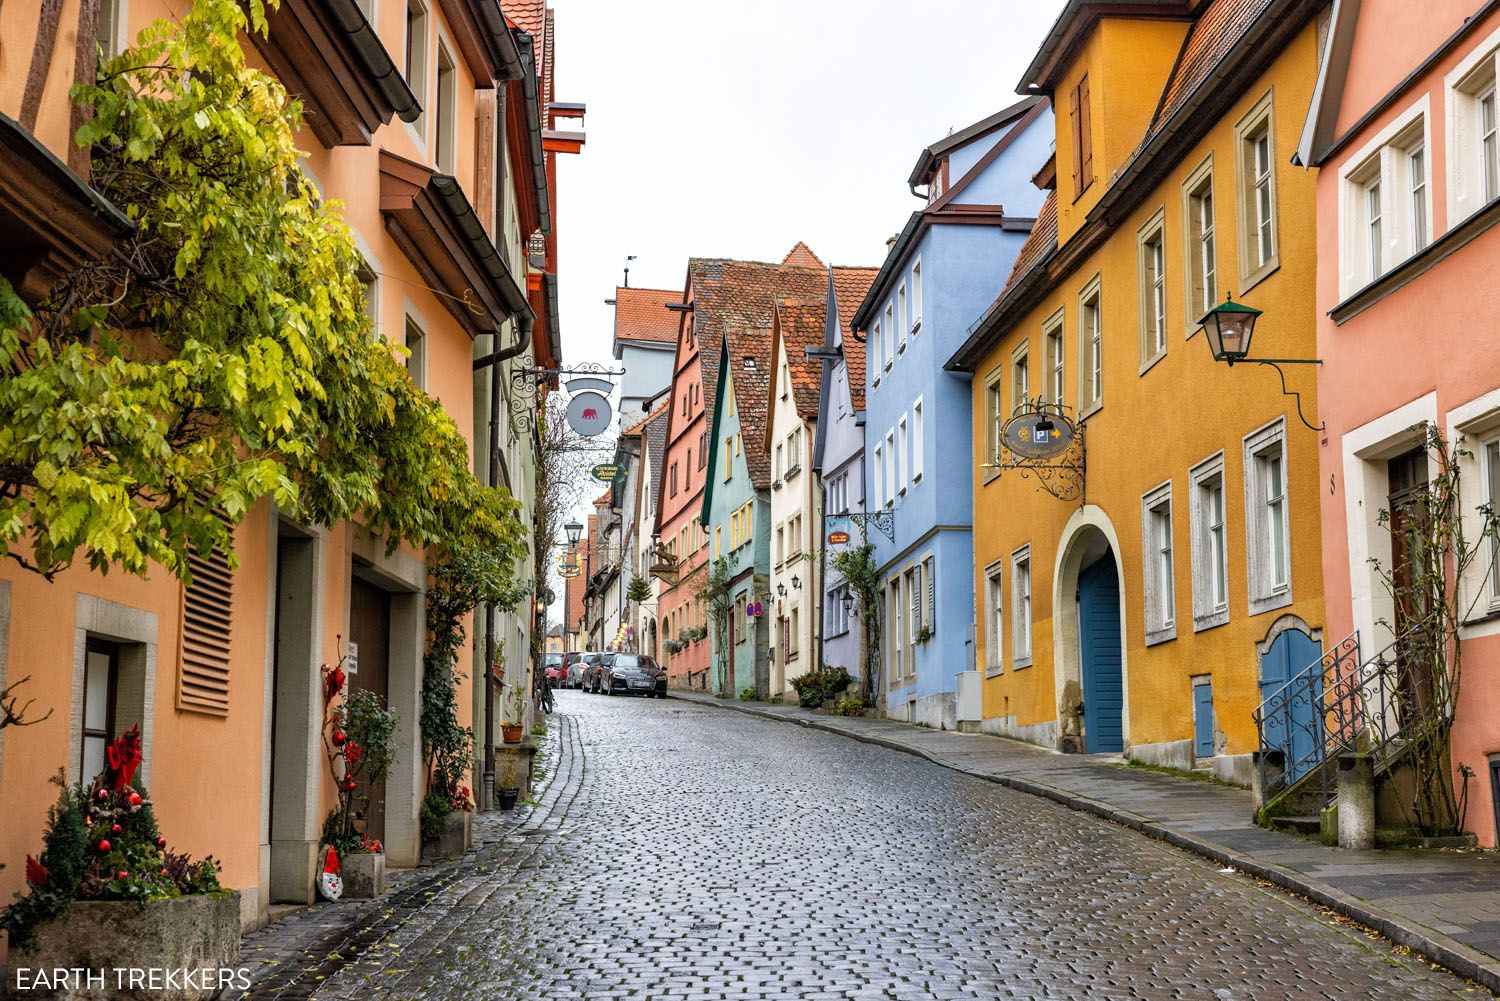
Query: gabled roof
x,y
801,256
639,427
1073,27
656,442
851,285
800,325
641,314
933,154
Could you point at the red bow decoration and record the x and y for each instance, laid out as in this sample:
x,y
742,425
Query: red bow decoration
x,y
36,873
333,682
125,757
352,752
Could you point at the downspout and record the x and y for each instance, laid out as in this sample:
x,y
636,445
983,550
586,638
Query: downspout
x,y
525,320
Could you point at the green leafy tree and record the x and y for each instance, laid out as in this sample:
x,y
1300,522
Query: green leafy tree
x,y
858,567
221,354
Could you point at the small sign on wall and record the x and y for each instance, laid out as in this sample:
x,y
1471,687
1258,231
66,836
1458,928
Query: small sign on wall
x,y
351,658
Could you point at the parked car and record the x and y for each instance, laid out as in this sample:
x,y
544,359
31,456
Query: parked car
x,y
630,674
552,665
572,669
581,665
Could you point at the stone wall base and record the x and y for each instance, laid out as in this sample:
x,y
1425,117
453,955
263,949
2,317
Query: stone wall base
x,y
1042,734
1167,754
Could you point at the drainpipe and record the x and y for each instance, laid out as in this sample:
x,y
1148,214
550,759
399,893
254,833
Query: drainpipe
x,y
525,320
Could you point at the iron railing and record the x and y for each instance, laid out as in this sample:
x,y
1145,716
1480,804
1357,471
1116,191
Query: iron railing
x,y
1341,702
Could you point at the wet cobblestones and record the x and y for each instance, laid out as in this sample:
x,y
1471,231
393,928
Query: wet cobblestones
x,y
683,852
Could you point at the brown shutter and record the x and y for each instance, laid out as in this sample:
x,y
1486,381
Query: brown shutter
x,y
1086,130
203,677
1077,148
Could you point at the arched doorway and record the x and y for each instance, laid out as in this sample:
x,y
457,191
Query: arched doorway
x,y
1089,637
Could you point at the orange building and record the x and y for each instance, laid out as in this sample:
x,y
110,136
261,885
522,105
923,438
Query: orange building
x,y
433,128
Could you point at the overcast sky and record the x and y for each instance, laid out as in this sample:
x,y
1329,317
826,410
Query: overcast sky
x,y
720,129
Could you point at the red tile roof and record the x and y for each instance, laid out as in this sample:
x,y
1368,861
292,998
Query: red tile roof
x,y
639,427
641,314
801,323
1213,35
850,286
752,387
801,256
1040,242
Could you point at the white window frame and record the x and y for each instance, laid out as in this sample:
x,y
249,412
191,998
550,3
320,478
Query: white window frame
x,y
890,335
1054,350
1209,553
903,447
994,417
929,607
1475,427
902,325
114,27
1266,515
1021,612
1200,245
1384,165
1090,348
913,577
879,477
1160,560
876,345
1464,86
1256,193
1151,257
916,296
415,63
918,444
994,585
1020,375
445,107
893,468
416,360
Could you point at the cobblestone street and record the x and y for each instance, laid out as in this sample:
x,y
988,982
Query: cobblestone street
x,y
682,851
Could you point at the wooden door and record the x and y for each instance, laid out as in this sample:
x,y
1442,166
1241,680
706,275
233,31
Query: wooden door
x,y
370,629
1406,504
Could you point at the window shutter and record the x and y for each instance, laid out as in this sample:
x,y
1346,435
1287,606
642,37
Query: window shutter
x,y
916,601
1086,136
931,617
203,675
1073,119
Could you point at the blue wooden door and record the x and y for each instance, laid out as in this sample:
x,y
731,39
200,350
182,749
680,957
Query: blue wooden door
x,y
1203,719
1292,723
1099,653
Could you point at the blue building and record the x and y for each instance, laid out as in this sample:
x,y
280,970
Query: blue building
x,y
944,269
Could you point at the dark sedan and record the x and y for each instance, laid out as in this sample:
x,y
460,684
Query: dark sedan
x,y
630,674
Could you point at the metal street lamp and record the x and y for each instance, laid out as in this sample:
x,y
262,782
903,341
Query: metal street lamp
x,y
848,602
541,607
796,583
573,530
781,590
1229,327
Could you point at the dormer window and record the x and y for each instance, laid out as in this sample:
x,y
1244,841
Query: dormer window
x,y
749,364
935,186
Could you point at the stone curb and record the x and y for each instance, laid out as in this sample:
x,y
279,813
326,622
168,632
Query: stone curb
x,y
1466,962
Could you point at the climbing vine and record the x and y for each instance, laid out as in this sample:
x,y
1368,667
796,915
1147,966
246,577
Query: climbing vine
x,y
1434,552
857,565
714,591
221,354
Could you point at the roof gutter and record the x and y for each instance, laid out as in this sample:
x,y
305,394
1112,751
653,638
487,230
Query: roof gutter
x,y
530,88
377,60
489,259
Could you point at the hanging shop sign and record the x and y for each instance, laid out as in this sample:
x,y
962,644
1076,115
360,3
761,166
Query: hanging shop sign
x,y
605,472
589,413
1039,434
838,538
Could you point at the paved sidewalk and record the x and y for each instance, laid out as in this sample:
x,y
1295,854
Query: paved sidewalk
x,y
1442,904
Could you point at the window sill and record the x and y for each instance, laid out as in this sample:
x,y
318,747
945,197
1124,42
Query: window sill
x,y
1271,602
794,471
1260,274
1021,665
990,475
916,478
775,484
993,672
916,327
1210,621
1150,363
1091,409
1154,637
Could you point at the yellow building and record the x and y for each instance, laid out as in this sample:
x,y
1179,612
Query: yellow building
x,y
1179,574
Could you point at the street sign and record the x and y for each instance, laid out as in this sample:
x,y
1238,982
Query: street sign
x,y
606,472
1038,434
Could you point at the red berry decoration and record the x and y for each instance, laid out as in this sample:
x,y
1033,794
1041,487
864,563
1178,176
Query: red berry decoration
x,y
161,843
104,847
135,799
339,737
116,829
164,871
349,783
102,795
122,874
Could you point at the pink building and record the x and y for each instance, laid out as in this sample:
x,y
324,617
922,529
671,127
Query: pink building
x,y
1403,133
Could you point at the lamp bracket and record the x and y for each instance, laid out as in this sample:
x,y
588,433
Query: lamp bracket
x,y
1276,363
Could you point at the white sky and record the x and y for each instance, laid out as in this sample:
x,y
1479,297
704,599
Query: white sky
x,y
737,129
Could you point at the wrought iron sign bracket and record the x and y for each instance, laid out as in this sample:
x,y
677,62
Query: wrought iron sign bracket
x,y
883,522
1041,442
1276,363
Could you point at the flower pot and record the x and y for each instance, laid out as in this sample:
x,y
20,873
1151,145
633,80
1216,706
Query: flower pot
x,y
178,934
364,874
508,798
512,732
458,835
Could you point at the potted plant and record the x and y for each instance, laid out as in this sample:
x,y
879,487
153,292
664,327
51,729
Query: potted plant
x,y
509,791
106,893
513,726
924,634
359,740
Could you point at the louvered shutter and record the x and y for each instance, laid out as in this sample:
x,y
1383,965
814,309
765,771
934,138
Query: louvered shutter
x,y
931,618
1077,149
203,675
1086,133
